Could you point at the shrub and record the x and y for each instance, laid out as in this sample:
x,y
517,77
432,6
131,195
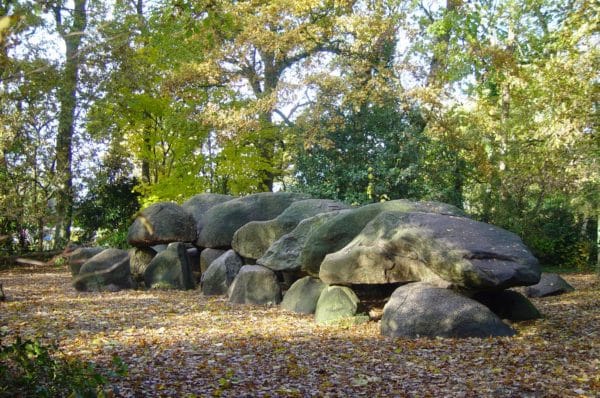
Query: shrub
x,y
29,368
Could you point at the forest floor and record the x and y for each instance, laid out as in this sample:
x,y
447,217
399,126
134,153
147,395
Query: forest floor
x,y
179,343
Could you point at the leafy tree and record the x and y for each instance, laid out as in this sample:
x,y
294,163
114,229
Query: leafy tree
x,y
108,209
27,120
257,52
70,25
531,145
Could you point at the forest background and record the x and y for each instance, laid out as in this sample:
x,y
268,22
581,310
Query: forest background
x,y
489,105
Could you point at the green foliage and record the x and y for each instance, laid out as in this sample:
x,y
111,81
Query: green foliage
x,y
30,368
374,155
558,238
107,210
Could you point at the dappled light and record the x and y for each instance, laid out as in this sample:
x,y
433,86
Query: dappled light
x,y
178,342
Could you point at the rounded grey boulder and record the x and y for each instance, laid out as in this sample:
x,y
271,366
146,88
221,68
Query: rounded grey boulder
x,y
255,284
336,303
422,310
76,258
163,222
199,204
220,274
284,254
303,295
221,221
170,269
106,270
253,239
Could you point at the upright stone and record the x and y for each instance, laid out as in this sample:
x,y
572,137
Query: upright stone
x,y
221,273
303,295
207,256
255,284
139,258
508,304
170,269
336,303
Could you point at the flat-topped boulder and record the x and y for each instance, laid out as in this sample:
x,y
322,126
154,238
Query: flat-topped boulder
x,y
442,249
253,239
161,223
337,232
223,220
198,206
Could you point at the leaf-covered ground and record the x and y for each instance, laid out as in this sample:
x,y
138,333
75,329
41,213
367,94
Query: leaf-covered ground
x,y
181,344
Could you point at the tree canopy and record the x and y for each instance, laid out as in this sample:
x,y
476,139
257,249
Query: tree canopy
x,y
489,105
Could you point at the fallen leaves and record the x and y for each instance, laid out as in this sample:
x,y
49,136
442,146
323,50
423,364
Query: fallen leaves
x,y
179,343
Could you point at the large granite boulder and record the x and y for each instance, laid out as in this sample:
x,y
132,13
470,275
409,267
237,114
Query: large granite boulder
x,y
347,224
508,304
255,284
139,258
221,221
437,248
107,270
253,239
76,258
284,254
170,269
220,274
335,304
198,205
160,223
207,256
303,295
549,285
422,310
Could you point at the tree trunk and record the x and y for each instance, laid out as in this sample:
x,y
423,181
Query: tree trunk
x,y
67,96
598,244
